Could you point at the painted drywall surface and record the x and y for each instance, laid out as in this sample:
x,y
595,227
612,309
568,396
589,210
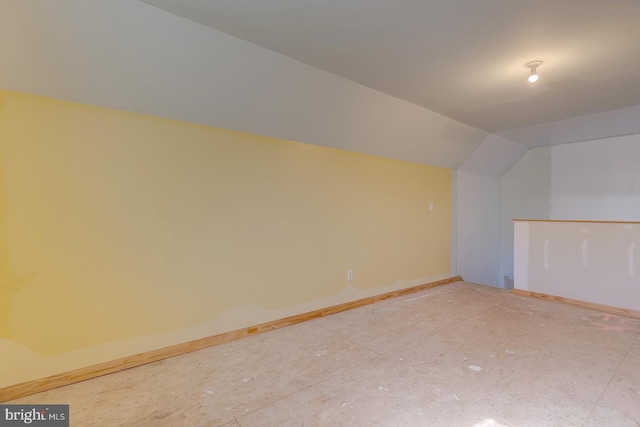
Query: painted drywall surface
x,y
453,263
521,255
494,157
596,180
477,210
607,124
129,55
589,180
119,227
593,262
525,192
478,191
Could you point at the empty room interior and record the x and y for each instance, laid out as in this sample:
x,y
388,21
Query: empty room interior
x,y
320,213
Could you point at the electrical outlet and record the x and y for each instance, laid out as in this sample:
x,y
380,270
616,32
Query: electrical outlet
x,y
430,206
349,274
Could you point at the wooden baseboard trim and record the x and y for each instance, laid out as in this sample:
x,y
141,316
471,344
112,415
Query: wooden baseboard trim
x,y
82,374
590,305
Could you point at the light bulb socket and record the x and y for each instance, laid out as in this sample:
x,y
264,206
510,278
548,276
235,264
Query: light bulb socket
x,y
533,65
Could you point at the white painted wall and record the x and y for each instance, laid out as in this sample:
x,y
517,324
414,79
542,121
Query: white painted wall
x,y
589,127
478,244
524,193
453,261
129,55
494,157
477,209
596,180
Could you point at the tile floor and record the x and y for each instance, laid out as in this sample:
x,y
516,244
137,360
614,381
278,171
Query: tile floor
x,y
456,355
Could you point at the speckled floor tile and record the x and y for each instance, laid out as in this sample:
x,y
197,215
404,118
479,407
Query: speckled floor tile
x,y
394,323
620,403
212,386
456,377
456,355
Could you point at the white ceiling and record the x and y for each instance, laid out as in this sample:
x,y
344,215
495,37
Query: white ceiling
x,y
460,58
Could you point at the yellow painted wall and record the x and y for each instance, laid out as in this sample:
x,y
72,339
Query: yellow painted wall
x,y
122,233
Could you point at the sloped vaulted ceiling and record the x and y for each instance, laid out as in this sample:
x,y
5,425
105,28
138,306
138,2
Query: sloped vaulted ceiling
x,y
420,81
126,54
463,59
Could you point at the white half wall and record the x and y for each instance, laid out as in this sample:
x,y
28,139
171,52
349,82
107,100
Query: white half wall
x,y
478,243
585,261
589,180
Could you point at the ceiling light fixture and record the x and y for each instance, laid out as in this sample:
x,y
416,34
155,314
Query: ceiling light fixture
x,y
533,65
